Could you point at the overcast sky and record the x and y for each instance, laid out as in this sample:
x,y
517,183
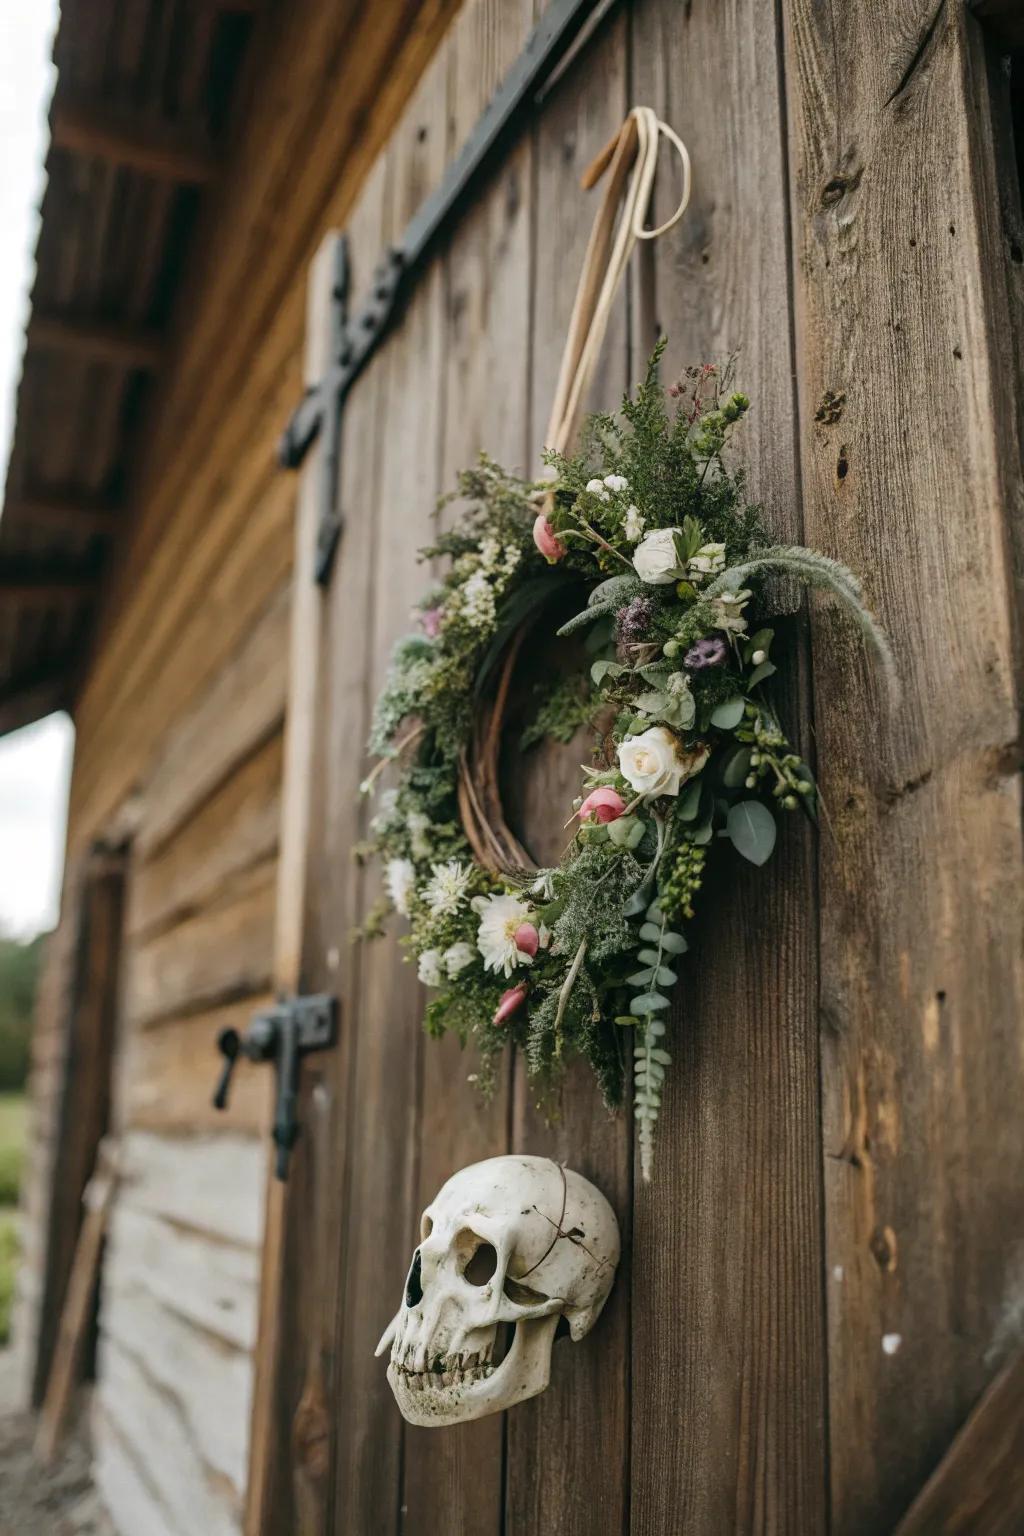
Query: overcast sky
x,y
34,762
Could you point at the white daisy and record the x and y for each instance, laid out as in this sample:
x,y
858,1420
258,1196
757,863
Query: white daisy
x,y
430,968
399,882
501,917
456,957
445,891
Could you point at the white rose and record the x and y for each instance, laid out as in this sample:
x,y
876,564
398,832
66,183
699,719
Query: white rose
x,y
596,488
656,559
430,968
634,524
654,763
456,957
616,482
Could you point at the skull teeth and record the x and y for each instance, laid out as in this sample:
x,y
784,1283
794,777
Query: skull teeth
x,y
450,1371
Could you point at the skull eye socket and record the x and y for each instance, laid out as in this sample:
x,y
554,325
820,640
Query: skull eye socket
x,y
523,1295
482,1264
426,1227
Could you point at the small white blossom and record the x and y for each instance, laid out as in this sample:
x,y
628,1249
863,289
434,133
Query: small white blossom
x,y
419,826
616,482
479,607
429,969
399,882
758,657
708,561
597,488
634,525
543,935
729,611
445,891
456,957
501,917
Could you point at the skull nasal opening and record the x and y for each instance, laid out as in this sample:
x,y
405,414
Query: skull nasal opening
x,y
413,1288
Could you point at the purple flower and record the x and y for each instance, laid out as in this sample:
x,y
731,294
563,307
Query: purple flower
x,y
633,621
710,652
430,618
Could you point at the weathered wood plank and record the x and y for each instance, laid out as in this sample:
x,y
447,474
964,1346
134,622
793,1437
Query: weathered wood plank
x,y
221,954
236,828
978,1487
300,1464
128,1494
167,1075
239,711
582,1419
83,1113
902,314
209,1284
208,1184
180,1489
728,1332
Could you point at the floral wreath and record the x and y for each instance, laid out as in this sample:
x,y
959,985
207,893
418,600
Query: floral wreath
x,y
650,526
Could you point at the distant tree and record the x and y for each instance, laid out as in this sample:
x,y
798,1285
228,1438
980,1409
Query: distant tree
x,y
19,974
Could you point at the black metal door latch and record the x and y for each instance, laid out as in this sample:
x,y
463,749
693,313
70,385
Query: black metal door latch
x,y
282,1035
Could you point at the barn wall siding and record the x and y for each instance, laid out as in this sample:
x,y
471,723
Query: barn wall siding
x,y
834,1162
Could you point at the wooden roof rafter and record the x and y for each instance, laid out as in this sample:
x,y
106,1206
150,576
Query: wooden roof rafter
x,y
165,151
71,513
103,341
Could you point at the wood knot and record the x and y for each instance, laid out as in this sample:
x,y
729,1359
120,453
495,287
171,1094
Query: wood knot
x,y
311,1437
883,1247
831,407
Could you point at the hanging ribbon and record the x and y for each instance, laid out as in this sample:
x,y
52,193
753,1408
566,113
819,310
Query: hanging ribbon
x,y
631,156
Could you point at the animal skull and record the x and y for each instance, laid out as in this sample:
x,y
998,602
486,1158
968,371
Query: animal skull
x,y
516,1240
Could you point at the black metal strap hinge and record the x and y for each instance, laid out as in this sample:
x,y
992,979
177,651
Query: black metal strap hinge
x,y
355,338
281,1035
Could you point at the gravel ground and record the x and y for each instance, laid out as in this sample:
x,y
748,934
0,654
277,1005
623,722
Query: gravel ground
x,y
55,1501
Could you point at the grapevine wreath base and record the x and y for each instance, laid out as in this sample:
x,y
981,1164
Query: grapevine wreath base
x,y
651,527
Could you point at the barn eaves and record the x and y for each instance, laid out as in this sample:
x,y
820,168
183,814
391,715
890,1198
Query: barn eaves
x,y
144,96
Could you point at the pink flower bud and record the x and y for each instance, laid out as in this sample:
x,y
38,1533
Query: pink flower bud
x,y
527,939
603,805
546,540
511,1002
430,618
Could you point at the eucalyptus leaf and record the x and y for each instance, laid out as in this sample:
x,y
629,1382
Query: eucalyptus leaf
x,y
655,1028
615,589
728,715
605,668
672,943
737,766
657,1054
641,978
751,827
702,836
648,1002
636,904
689,802
651,932
761,641
766,669
665,977
648,956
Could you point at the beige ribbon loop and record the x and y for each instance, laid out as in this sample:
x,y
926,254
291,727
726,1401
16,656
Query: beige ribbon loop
x,y
631,157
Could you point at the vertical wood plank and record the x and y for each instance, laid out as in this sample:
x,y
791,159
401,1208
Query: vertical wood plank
x,y
270,1490
568,1450
454,1476
903,316
728,1367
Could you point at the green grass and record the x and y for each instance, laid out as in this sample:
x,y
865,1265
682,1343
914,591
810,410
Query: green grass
x,y
12,1155
12,1146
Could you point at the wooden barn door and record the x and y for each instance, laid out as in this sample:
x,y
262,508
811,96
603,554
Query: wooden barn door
x,y
770,1240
